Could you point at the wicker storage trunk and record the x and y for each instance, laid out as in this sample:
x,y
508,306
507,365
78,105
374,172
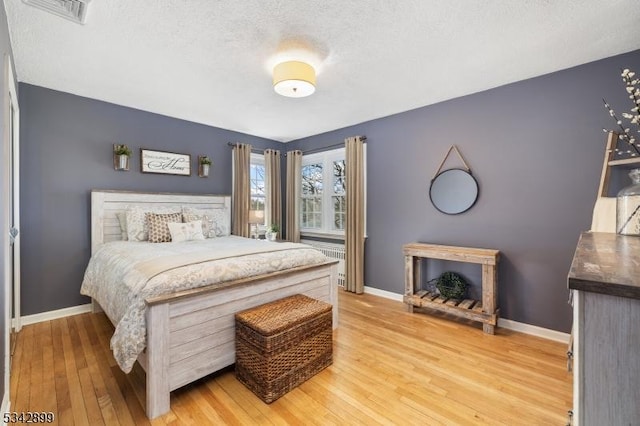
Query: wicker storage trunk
x,y
283,343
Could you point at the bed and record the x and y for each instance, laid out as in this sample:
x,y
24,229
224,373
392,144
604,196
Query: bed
x,y
189,331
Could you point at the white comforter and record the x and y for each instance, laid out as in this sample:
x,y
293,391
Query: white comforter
x,y
122,274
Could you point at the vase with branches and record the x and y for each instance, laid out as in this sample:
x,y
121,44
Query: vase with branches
x,y
628,199
631,119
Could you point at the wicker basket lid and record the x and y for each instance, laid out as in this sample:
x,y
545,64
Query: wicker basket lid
x,y
274,317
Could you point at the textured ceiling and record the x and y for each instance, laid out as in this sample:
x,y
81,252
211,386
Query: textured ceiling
x,y
210,61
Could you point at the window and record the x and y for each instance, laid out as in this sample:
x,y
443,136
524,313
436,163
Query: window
x,y
257,182
323,198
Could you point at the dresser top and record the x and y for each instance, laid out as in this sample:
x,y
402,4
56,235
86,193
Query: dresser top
x,y
606,263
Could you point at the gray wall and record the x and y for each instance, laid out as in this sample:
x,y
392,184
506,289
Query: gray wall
x,y
5,49
536,148
66,151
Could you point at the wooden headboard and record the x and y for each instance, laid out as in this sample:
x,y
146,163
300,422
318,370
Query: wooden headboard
x,y
105,204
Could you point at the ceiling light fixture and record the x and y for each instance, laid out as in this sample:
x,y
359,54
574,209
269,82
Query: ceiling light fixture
x,y
294,79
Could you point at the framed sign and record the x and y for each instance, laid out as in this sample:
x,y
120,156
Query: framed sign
x,y
168,163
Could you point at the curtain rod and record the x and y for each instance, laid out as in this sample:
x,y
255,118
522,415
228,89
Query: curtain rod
x,y
253,150
326,148
309,151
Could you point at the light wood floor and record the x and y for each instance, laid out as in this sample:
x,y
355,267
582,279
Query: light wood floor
x,y
390,367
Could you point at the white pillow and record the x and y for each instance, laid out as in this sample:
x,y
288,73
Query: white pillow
x,y
189,231
137,228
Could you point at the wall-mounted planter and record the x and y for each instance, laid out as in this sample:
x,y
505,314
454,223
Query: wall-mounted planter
x,y
121,156
204,165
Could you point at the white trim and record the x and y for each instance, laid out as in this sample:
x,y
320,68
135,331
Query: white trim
x,y
532,330
10,102
326,159
15,168
6,404
58,313
383,293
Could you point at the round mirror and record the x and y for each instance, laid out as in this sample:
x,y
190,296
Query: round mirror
x,y
453,191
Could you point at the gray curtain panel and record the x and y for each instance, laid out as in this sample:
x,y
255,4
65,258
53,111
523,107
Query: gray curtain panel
x,y
241,190
294,170
354,232
273,190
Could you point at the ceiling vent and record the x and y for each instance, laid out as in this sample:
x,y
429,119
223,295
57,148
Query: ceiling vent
x,y
74,10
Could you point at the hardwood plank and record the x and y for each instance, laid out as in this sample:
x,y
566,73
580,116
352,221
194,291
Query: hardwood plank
x,y
390,367
230,411
49,403
76,397
135,407
93,412
36,392
90,345
16,365
113,400
65,413
257,409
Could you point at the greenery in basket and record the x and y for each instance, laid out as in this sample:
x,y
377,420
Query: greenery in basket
x,y
273,228
205,160
123,150
451,285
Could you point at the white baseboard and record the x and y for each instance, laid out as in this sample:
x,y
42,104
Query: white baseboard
x,y
51,315
383,293
6,404
533,330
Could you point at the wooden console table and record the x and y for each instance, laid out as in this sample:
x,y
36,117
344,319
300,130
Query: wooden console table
x,y
485,311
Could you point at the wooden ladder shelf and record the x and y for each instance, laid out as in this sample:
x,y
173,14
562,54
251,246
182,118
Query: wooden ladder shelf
x,y
485,311
609,162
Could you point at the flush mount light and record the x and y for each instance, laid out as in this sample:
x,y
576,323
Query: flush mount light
x,y
294,79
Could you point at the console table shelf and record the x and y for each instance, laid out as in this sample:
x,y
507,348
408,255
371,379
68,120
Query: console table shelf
x,y
485,311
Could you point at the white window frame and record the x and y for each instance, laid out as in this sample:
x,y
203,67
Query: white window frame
x,y
258,159
326,158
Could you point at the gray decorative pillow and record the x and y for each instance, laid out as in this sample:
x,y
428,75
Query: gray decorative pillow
x,y
221,219
158,228
122,220
137,229
215,222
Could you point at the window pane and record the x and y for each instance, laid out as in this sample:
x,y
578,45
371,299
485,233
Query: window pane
x,y
257,203
312,179
339,212
256,179
257,186
311,213
339,177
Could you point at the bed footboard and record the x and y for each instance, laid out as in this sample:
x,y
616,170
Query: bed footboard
x,y
191,337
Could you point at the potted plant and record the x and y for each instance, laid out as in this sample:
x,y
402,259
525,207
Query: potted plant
x,y
272,232
205,164
122,154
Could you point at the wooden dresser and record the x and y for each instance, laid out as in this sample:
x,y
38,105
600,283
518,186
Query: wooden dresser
x,y
605,274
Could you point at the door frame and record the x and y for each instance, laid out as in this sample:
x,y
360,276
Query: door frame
x,y
15,143
9,144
